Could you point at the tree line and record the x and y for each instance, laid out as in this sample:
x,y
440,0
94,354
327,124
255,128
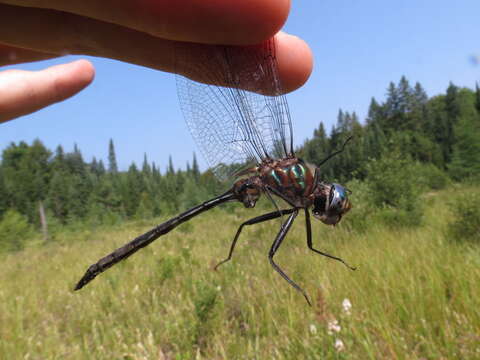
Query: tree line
x,y
57,187
62,185
443,131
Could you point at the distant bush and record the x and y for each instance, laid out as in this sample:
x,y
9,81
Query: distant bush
x,y
399,217
395,188
465,225
14,231
359,217
431,177
472,180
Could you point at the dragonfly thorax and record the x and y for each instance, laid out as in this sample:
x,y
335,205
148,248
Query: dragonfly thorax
x,y
289,178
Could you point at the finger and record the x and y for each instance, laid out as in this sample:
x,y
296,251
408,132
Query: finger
x,y
23,92
294,64
295,61
62,33
231,22
13,55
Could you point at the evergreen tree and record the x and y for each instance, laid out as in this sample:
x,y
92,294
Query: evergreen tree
x,y
104,198
156,176
466,150
315,150
438,129
452,109
170,168
451,102
112,160
477,97
26,171
405,96
94,166
58,163
195,168
133,187
420,97
59,196
146,170
101,168
374,112
392,105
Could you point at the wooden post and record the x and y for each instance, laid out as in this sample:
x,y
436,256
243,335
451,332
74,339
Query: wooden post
x,y
43,220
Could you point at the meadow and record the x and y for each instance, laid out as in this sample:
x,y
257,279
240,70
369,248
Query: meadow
x,y
415,294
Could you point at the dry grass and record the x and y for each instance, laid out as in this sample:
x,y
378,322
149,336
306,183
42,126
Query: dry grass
x,y
414,295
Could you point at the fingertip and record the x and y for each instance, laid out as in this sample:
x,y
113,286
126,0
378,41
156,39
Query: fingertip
x,y
86,71
71,78
294,59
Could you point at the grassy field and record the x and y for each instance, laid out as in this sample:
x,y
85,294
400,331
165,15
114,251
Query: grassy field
x,y
415,294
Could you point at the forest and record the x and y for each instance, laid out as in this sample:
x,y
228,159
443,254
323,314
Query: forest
x,y
408,142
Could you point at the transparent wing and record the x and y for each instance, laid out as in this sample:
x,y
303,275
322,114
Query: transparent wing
x,y
234,127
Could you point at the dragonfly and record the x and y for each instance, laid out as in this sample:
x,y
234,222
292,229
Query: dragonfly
x,y
240,119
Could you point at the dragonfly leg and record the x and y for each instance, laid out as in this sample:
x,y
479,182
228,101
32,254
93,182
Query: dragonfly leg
x,y
310,245
276,244
256,220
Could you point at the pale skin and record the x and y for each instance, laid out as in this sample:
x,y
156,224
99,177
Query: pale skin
x,y
142,32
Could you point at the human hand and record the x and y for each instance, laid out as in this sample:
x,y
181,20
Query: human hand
x,y
139,32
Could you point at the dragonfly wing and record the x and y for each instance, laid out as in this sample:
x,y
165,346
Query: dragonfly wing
x,y
234,127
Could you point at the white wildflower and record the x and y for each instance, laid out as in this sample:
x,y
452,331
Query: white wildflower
x,y
347,306
339,345
219,288
313,329
333,326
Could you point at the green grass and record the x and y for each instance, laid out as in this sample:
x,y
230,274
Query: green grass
x,y
415,294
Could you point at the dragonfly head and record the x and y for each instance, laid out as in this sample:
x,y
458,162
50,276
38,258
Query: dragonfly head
x,y
330,203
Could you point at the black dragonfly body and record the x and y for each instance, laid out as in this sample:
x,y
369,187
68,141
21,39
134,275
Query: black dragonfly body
x,y
246,134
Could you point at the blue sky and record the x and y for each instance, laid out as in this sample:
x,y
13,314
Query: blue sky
x,y
359,47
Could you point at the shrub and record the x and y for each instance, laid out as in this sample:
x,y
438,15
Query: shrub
x,y
14,231
394,189
358,218
431,177
465,225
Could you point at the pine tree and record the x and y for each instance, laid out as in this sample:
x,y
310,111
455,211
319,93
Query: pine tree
x,y
170,168
374,112
392,104
94,166
101,168
59,196
133,188
112,160
315,150
420,97
146,170
195,168
58,163
466,150
477,97
26,171
405,93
